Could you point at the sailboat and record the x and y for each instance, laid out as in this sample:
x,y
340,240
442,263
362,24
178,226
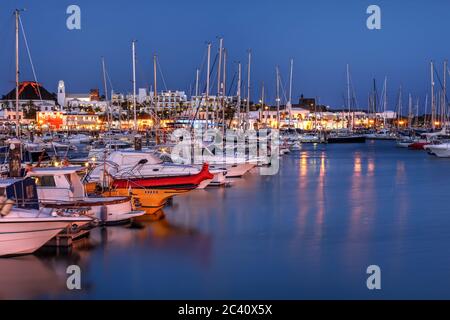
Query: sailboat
x,y
347,136
385,133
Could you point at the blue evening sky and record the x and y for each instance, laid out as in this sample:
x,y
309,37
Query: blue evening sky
x,y
322,36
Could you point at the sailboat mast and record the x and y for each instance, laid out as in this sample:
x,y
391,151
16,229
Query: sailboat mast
x,y
133,48
375,102
248,89
410,111
108,107
433,99
445,95
385,102
416,120
155,91
350,121
400,103
197,76
238,103
223,89
289,104
196,82
207,84
262,102
348,89
219,83
16,12
278,98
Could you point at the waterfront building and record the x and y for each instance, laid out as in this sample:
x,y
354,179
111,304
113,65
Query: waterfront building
x,y
32,97
61,120
8,118
80,102
170,100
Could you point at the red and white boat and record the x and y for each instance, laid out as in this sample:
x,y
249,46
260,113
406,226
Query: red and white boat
x,y
418,144
186,181
138,165
427,139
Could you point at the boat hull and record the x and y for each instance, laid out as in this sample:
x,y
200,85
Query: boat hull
x,y
110,209
238,170
418,145
402,144
150,200
351,139
438,150
218,180
190,181
17,238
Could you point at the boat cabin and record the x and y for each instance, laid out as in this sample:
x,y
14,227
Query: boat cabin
x,y
58,183
21,190
131,158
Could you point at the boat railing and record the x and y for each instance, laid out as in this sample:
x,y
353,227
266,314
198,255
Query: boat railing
x,y
133,172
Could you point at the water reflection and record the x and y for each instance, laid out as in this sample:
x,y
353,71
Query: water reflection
x,y
28,277
321,194
362,201
370,167
303,166
314,228
401,193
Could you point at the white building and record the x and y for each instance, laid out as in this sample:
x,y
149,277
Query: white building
x,y
10,116
80,101
30,94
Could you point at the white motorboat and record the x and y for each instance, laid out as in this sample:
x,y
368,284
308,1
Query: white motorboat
x,y
233,158
405,142
383,134
58,146
102,150
296,146
309,138
235,167
24,227
79,139
123,164
441,150
61,188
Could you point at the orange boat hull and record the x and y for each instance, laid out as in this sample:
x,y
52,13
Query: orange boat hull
x,y
149,200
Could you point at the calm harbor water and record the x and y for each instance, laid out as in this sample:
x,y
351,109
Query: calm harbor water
x,y
307,233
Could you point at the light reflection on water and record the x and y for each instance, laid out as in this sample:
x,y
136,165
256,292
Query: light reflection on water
x,y
309,232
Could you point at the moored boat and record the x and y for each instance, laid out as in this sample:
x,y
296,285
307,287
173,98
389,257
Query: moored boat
x,y
24,226
346,139
152,193
61,188
441,150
